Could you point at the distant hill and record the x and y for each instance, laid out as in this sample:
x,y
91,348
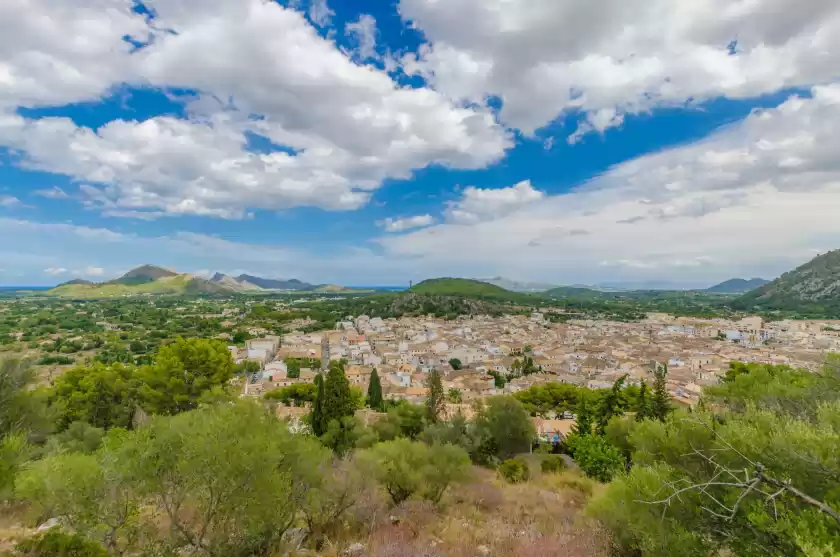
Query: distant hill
x,y
145,280
143,275
574,292
811,289
276,284
233,283
517,286
458,287
76,281
737,286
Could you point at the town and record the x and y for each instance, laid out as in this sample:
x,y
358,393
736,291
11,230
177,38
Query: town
x,y
483,356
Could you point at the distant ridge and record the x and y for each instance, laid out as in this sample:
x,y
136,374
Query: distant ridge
x,y
276,284
737,286
76,281
143,275
517,286
146,280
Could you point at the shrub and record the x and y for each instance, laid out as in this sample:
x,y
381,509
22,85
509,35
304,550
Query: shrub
x,y
551,464
55,543
515,470
597,457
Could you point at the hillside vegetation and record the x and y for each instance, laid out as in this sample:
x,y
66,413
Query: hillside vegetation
x,y
812,289
737,286
177,285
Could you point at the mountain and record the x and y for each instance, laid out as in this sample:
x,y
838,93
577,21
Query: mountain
x,y
811,289
574,292
76,281
737,286
143,275
458,287
276,284
234,284
516,286
147,280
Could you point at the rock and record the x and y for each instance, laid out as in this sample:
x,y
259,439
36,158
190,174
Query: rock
x,y
394,520
355,550
51,523
482,551
295,536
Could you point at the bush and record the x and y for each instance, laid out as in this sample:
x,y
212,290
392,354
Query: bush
x,y
515,470
405,468
55,543
551,464
597,457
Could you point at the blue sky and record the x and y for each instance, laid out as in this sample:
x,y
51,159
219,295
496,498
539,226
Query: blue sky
x,y
374,142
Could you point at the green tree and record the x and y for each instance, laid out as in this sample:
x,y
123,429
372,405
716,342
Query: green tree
x,y
297,394
456,364
751,477
584,418
643,409
660,403
596,457
454,396
612,404
515,470
338,400
374,393
22,408
183,371
103,395
435,398
235,467
504,428
317,417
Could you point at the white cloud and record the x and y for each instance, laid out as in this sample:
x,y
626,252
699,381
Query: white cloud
x,y
612,57
348,127
477,204
754,199
9,201
54,192
320,13
93,271
364,32
407,223
53,271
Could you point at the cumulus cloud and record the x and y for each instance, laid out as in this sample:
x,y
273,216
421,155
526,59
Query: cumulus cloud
x,y
407,223
609,58
320,13
258,68
754,199
478,204
93,271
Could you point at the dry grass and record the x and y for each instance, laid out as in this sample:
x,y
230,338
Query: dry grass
x,y
540,518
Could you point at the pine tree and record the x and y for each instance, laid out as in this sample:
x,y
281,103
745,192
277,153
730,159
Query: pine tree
x,y
435,398
318,408
374,393
583,422
660,404
338,401
613,404
643,408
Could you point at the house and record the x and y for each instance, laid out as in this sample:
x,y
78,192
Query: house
x,y
553,431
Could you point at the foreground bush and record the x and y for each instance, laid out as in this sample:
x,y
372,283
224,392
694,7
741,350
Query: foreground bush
x,y
515,470
551,464
596,457
405,468
55,543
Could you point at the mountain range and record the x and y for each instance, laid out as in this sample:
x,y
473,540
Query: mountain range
x,y
154,280
737,286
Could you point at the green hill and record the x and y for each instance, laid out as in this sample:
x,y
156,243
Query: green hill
x,y
459,287
575,292
737,286
810,290
177,285
143,275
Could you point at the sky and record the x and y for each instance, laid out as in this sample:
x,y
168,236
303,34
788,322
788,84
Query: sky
x,y
377,142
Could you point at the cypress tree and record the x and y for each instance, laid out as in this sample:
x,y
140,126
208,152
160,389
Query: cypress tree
x,y
583,421
375,391
435,398
612,404
318,408
660,404
338,402
643,407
